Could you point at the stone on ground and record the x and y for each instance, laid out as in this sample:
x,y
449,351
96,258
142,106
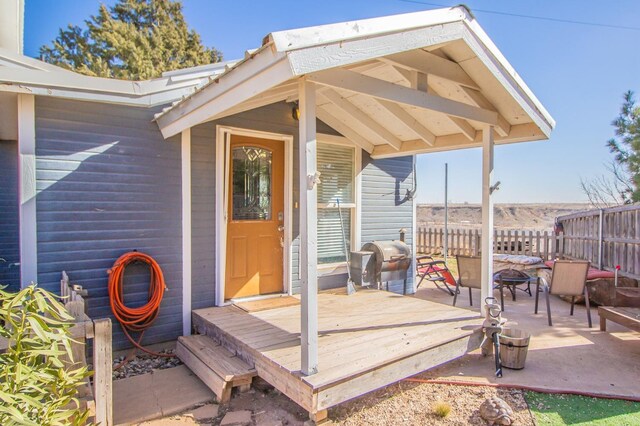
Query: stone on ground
x,y
237,418
205,412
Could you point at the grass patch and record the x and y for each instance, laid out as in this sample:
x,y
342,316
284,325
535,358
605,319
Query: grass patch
x,y
559,409
442,409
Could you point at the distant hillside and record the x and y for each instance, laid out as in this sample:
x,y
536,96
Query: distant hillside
x,y
507,216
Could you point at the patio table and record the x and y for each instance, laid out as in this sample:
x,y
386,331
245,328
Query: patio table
x,y
628,317
502,279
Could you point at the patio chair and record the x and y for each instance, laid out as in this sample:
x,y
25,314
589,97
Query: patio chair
x,y
568,278
470,275
435,271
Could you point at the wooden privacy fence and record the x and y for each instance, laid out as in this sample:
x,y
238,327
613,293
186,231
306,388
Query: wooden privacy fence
x,y
467,242
605,237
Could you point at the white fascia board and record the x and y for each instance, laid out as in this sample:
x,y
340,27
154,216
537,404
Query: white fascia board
x,y
265,70
484,48
347,52
150,100
13,59
68,81
302,38
73,86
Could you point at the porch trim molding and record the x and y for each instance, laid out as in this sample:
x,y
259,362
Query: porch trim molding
x,y
186,231
27,190
223,141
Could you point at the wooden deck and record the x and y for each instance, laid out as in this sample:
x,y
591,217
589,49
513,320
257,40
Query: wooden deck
x,y
366,341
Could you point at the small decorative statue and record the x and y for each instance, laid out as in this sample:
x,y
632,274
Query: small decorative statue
x,y
496,411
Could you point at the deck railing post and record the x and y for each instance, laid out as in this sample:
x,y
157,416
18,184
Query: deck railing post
x,y
487,215
600,237
308,228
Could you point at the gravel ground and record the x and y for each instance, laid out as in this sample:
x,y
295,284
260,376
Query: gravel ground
x,y
412,404
144,363
405,403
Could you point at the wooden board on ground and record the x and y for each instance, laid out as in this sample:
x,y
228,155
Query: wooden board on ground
x,y
266,304
627,317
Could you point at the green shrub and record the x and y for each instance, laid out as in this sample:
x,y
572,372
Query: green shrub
x,y
38,384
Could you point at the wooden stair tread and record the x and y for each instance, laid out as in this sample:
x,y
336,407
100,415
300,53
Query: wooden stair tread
x,y
224,363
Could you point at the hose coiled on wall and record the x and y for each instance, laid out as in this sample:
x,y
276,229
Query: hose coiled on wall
x,y
139,319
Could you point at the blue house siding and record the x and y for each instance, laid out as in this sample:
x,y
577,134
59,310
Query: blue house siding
x,y
203,215
9,219
107,184
385,205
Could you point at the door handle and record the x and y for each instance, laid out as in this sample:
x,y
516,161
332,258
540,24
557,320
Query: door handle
x,y
280,228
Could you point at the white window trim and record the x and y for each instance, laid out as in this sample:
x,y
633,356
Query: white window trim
x,y
336,268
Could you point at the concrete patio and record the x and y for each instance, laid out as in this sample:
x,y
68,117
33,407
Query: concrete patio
x,y
566,357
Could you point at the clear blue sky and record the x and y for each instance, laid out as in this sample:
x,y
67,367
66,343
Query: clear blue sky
x,y
578,72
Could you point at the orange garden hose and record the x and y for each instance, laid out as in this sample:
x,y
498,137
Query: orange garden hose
x,y
136,320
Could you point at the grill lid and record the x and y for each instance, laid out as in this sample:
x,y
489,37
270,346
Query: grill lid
x,y
387,251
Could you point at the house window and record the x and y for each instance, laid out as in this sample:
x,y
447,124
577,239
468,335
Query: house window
x,y
336,164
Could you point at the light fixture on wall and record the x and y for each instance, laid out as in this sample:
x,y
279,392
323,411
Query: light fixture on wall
x,y
295,112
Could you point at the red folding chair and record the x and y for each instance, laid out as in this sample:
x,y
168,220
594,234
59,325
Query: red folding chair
x,y
435,271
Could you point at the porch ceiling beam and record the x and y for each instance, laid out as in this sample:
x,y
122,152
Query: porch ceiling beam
x,y
379,89
476,97
420,81
358,115
429,63
519,133
463,125
338,125
409,121
503,127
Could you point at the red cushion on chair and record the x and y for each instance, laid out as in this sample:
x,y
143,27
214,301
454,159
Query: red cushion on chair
x,y
593,273
440,270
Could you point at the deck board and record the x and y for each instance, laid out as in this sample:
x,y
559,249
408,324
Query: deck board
x,y
364,339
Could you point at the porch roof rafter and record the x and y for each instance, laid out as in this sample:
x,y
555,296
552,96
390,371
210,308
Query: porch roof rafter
x,y
380,89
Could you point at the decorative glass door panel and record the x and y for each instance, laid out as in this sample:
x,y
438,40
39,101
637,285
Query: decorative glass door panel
x,y
255,229
251,183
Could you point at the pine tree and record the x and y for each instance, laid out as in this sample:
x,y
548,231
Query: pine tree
x,y
132,40
626,144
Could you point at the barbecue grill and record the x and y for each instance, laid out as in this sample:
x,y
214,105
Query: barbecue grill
x,y
380,262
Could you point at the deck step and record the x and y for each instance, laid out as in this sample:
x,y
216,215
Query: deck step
x,y
218,368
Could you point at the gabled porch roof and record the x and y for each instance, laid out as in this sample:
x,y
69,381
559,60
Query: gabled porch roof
x,y
397,85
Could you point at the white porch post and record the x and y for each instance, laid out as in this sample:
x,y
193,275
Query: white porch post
x,y
27,190
308,228
487,216
186,231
